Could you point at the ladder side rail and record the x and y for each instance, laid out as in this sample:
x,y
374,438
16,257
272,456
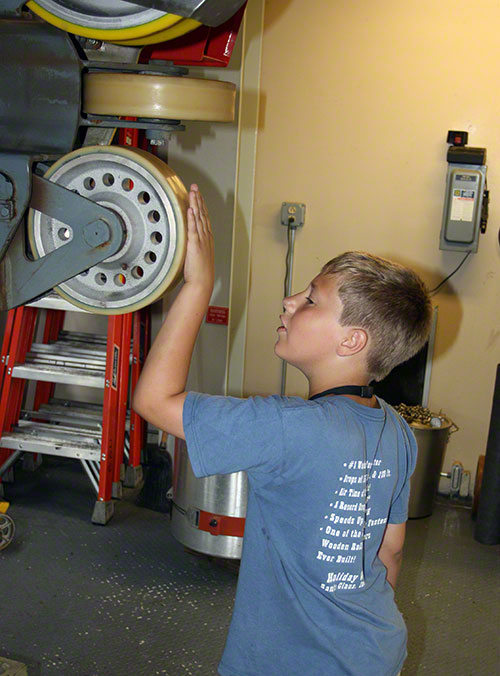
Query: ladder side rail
x,y
20,327
18,387
141,344
110,407
5,453
4,356
123,386
18,337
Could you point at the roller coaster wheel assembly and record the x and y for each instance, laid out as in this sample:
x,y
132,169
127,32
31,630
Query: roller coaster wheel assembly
x,y
151,202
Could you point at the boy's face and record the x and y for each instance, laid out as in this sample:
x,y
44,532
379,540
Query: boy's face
x,y
310,326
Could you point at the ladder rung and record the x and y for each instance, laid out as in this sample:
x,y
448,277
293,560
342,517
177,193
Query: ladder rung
x,y
59,374
68,403
64,419
70,411
77,412
51,445
65,360
36,428
70,349
82,337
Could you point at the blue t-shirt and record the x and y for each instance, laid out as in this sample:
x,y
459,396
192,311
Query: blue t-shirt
x,y
325,477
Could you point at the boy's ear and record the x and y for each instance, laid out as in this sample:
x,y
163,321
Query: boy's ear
x,y
353,342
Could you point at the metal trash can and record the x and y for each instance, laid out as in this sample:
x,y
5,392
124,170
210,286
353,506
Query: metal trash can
x,y
208,514
431,442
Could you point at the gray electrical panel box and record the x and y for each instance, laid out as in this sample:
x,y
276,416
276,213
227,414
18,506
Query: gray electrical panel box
x,y
462,207
464,214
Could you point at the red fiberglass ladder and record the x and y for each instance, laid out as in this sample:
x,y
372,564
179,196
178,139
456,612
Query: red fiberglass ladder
x,y
92,433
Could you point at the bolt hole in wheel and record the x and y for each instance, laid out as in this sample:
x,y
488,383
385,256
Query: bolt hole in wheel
x,y
152,204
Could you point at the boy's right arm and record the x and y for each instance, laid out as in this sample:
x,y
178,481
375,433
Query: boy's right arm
x,y
391,550
160,392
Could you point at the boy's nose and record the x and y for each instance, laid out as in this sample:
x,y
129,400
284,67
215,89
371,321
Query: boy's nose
x,y
288,304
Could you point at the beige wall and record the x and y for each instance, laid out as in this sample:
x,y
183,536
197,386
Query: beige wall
x,y
356,101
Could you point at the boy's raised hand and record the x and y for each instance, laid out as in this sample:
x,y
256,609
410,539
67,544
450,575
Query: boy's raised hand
x,y
160,393
199,263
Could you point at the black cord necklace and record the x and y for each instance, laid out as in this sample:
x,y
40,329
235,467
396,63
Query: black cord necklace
x,y
360,390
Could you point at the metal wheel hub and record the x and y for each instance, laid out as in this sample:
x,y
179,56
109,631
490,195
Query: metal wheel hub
x,y
152,209
7,530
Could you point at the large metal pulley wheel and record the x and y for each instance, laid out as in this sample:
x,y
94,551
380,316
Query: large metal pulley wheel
x,y
158,96
151,202
112,20
7,530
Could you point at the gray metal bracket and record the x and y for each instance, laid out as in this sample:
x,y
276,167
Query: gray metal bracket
x,y
10,7
158,67
97,233
143,123
15,189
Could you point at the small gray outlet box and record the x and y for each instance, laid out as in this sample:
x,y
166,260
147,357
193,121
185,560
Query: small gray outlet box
x,y
293,214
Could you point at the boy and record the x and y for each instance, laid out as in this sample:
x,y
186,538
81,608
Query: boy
x,y
328,477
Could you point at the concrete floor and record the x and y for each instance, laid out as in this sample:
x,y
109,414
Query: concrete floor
x,y
86,600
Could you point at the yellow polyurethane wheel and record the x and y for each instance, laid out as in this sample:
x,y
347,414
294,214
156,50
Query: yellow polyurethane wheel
x,y
129,33
181,28
152,203
158,96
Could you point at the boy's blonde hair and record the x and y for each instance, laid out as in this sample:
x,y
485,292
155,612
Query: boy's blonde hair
x,y
386,299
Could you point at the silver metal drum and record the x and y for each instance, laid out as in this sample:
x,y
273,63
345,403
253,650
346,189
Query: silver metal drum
x,y
431,442
204,510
